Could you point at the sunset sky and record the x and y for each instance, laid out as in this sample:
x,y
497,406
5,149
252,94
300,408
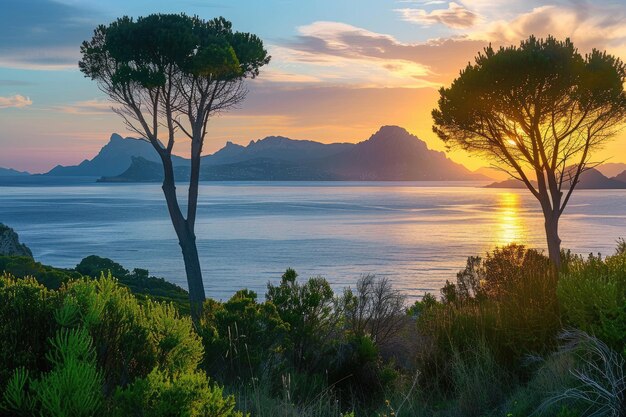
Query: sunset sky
x,y
340,68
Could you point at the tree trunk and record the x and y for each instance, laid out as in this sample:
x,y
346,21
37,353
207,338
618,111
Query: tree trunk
x,y
186,240
194,274
554,242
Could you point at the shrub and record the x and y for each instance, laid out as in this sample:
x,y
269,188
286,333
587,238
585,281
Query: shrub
x,y
26,323
138,281
72,388
162,394
375,309
241,334
94,266
309,311
118,326
508,301
103,345
592,294
178,346
500,275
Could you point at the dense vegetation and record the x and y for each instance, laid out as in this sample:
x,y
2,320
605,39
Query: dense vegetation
x,y
506,338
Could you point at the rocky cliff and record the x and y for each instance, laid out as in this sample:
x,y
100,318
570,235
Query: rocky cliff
x,y
10,244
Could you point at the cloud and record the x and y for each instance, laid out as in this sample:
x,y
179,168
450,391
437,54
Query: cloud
x,y
455,16
43,34
588,25
91,107
341,53
16,101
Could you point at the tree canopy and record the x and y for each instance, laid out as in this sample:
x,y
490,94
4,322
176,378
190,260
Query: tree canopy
x,y
171,66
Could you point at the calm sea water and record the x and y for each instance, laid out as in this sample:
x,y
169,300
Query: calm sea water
x,y
417,234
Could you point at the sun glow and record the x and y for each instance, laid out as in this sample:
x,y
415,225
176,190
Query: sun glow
x,y
510,228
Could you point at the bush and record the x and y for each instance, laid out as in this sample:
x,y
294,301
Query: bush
x,y
163,394
72,388
26,323
104,346
375,310
138,281
507,301
118,325
592,294
241,335
309,311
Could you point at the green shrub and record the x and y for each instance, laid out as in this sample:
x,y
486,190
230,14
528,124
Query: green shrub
x,y
118,325
26,323
72,388
508,301
592,294
178,346
94,266
309,311
184,394
241,335
79,350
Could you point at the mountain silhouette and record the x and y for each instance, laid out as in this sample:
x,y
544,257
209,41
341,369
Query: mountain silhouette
x,y
113,159
591,179
611,169
9,172
391,154
621,177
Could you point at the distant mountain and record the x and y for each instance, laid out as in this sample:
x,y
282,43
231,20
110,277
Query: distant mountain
x,y
595,180
492,173
591,179
8,172
113,159
391,154
275,147
611,169
621,177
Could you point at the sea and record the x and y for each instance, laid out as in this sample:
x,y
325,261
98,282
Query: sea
x,y
417,234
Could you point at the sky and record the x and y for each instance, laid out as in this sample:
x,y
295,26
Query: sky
x,y
340,69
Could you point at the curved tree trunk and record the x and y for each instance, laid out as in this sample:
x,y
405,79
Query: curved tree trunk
x,y
554,242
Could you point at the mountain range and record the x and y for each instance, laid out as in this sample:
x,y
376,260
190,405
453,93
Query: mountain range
x,y
8,172
591,179
391,154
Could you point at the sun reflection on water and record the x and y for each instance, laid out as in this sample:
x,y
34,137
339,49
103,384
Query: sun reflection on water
x,y
510,226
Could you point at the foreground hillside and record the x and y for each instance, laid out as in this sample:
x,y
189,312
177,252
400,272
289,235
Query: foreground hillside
x,y
506,338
